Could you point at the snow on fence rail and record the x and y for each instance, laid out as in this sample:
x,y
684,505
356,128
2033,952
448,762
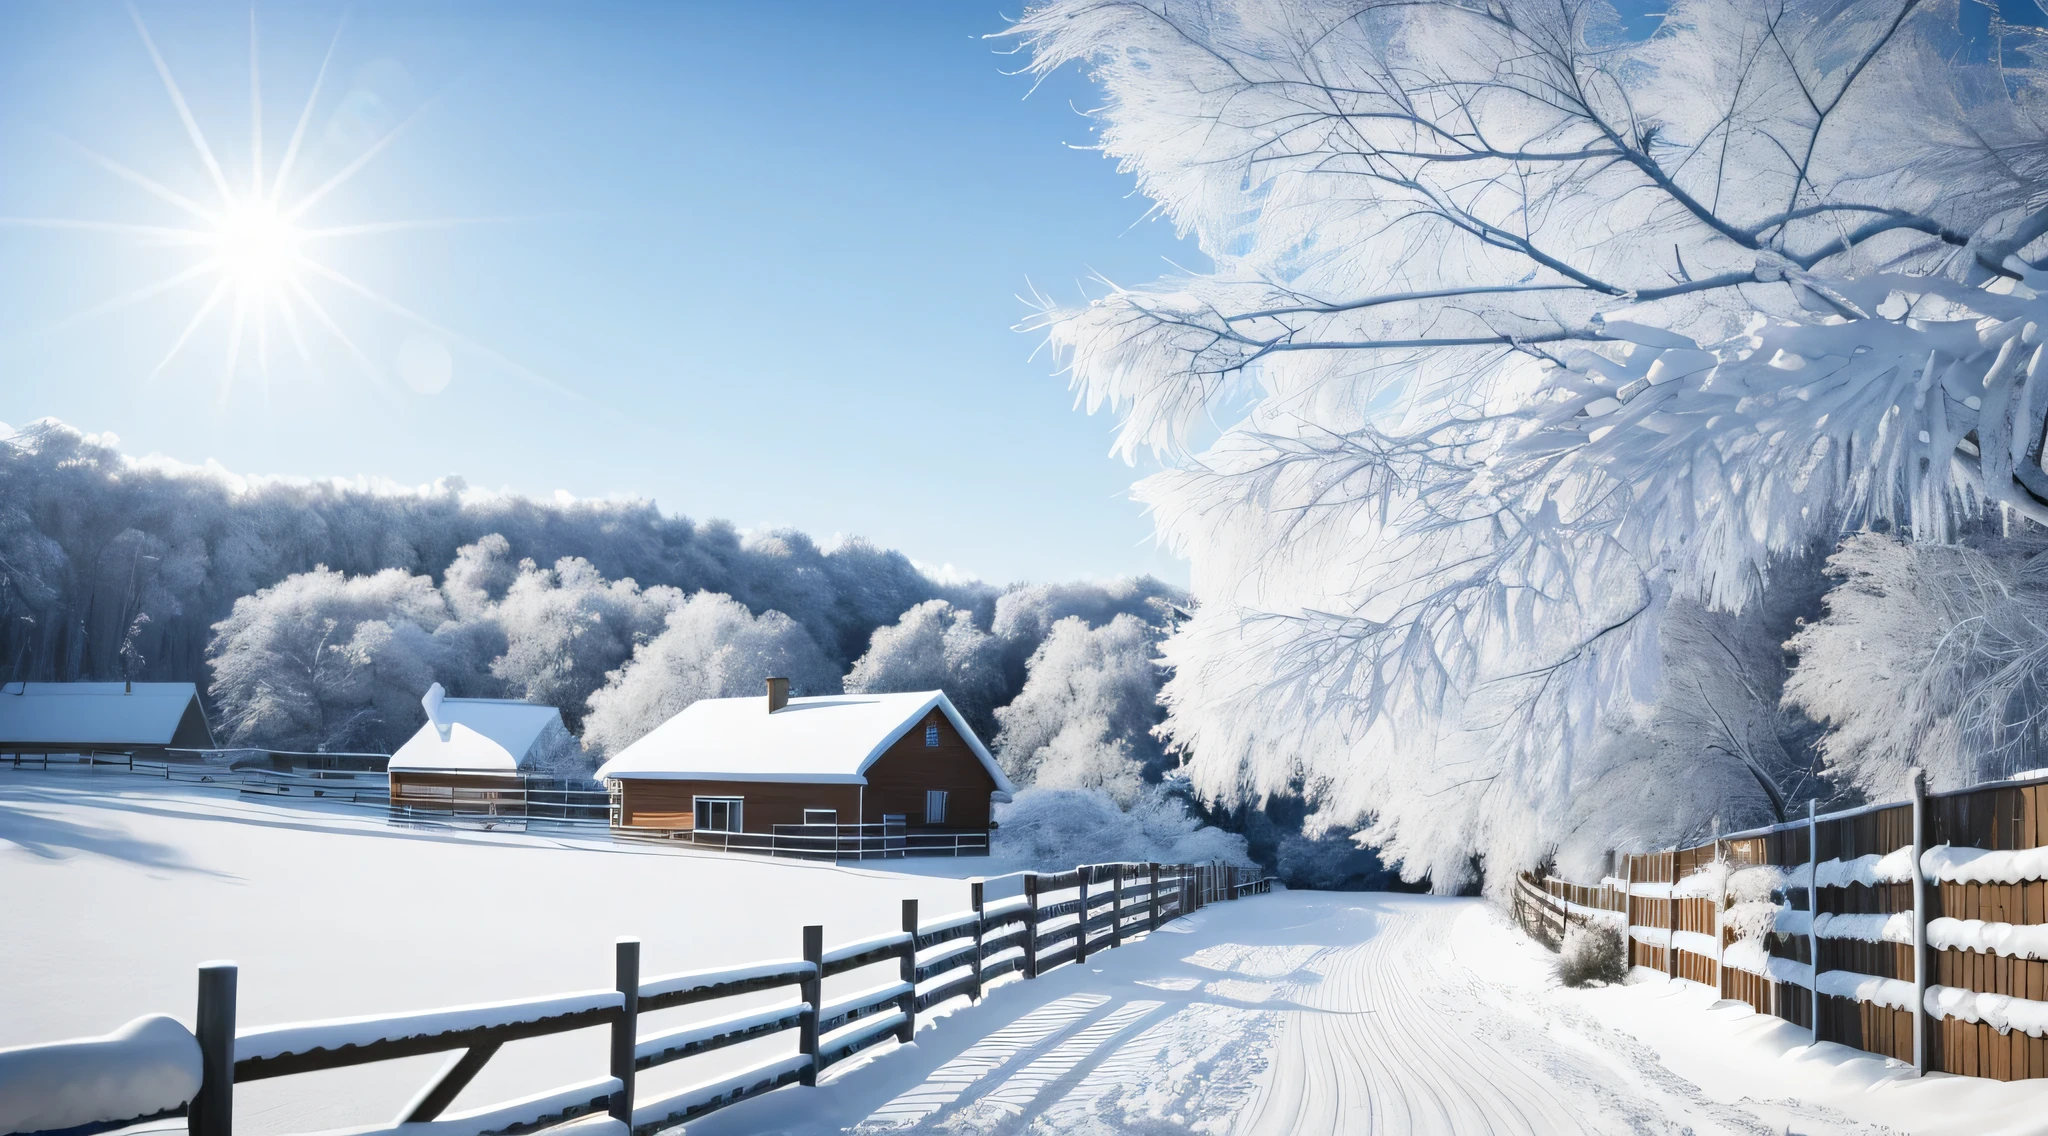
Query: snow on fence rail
x,y
1825,922
154,1068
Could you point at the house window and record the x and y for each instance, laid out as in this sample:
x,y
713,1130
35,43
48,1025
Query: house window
x,y
821,816
935,806
931,735
720,814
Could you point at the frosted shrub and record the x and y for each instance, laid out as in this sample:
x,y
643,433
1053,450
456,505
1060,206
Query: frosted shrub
x,y
1593,955
1058,828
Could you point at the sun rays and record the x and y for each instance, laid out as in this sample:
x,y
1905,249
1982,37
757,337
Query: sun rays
x,y
253,250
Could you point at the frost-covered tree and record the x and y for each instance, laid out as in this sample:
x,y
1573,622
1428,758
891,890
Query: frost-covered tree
x,y
1025,614
328,662
710,647
1085,717
935,646
1929,655
1522,329
113,566
566,628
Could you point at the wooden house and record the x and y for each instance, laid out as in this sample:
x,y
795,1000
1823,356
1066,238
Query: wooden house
x,y
753,765
139,719
474,752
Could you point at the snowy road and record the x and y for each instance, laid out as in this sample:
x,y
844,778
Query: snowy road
x,y
1307,1013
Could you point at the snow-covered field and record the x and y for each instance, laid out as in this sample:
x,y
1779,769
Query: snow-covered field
x,y
1291,1013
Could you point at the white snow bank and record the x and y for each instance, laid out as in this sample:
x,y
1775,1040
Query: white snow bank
x,y
1615,883
2017,940
304,1037
146,1067
1655,936
1895,867
1982,866
1651,890
1749,955
1867,928
1706,946
1894,992
1583,911
1999,1011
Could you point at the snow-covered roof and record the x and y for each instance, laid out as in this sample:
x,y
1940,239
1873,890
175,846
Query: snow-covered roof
x,y
106,714
831,738
474,735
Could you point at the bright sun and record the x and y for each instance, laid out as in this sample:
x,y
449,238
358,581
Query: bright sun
x,y
258,248
259,258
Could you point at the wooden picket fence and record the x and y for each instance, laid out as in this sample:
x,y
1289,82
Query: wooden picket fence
x,y
1059,918
1904,988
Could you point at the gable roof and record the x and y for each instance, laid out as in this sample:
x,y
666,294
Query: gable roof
x,y
484,735
109,715
831,738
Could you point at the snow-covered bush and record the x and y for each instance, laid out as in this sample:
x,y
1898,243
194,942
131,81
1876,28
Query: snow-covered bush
x,y
1593,954
1085,717
711,647
567,627
1058,828
1521,331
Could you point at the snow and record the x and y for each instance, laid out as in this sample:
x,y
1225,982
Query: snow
x,y
718,976
1895,867
498,1117
1749,955
1868,928
115,887
2002,1012
107,713
481,735
1704,945
2016,940
831,738
148,1066
1791,921
1651,889
1894,992
1982,866
1655,936
276,1041
654,1045
863,946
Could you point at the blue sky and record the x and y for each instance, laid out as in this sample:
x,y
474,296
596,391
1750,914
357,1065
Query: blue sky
x,y
761,262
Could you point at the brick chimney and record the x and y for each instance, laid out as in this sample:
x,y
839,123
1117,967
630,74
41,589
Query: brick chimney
x,y
778,694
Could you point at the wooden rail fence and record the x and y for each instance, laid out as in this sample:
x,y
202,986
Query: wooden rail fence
x,y
1945,966
1059,918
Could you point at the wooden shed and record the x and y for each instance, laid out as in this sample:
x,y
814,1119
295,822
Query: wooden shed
x,y
759,766
474,754
135,718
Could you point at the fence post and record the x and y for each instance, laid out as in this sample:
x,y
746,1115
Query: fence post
x,y
1152,898
907,967
1919,924
625,1027
1031,924
1812,911
1671,921
1116,908
212,1112
1081,939
811,990
974,896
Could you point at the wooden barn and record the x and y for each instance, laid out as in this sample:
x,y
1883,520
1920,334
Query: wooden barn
x,y
139,719
474,754
797,768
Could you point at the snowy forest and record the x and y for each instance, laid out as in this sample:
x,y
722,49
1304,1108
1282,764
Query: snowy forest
x,y
1597,428
313,617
